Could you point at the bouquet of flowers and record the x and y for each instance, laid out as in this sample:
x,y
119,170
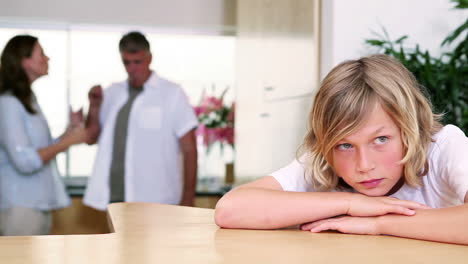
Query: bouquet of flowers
x,y
216,120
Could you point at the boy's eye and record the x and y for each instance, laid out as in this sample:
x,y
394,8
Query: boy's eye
x,y
381,140
344,146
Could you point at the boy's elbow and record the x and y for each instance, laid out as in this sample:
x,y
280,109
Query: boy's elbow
x,y
223,215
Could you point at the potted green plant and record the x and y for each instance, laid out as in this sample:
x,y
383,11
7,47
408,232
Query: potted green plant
x,y
445,77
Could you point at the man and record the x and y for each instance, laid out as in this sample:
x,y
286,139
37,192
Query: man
x,y
143,124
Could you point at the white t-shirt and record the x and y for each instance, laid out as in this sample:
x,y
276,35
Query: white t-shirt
x,y
160,115
445,185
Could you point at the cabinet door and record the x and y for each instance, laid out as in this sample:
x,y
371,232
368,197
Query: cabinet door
x,y
270,140
290,69
288,49
277,75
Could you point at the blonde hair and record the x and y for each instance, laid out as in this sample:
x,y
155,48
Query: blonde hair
x,y
344,99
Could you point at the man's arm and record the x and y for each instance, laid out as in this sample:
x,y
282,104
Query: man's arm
x,y
93,127
188,146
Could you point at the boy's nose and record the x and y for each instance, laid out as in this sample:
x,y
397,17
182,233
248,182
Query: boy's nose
x,y
365,162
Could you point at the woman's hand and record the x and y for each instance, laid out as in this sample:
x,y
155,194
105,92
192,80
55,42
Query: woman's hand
x,y
72,136
75,135
362,205
76,119
345,224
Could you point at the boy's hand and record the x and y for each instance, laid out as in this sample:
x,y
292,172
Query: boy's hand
x,y
363,214
345,224
362,205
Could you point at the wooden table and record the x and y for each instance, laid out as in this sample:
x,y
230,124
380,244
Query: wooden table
x,y
155,233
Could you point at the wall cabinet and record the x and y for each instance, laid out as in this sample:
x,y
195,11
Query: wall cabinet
x,y
277,75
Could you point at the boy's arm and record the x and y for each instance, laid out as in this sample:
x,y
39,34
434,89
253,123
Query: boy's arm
x,y
442,225
263,204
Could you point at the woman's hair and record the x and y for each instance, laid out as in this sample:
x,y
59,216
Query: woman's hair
x,y
343,102
13,78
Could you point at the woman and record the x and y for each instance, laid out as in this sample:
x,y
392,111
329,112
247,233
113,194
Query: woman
x,y
30,185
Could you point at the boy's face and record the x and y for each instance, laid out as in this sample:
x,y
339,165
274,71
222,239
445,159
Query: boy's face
x,y
368,159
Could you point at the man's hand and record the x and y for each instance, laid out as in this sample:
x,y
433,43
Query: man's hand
x,y
95,96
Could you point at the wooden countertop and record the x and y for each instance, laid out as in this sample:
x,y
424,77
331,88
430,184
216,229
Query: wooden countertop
x,y
156,233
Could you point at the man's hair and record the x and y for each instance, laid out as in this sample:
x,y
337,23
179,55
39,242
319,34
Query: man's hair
x,y
347,95
133,42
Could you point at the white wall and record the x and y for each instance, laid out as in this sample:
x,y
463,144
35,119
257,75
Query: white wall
x,y
347,23
194,14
